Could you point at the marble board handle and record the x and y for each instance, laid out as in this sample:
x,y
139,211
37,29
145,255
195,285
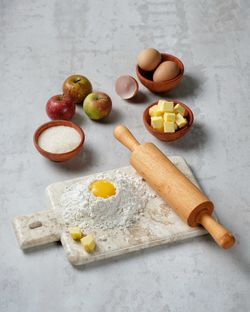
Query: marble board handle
x,y
37,229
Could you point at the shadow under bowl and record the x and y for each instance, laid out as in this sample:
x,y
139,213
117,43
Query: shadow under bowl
x,y
61,156
146,77
168,137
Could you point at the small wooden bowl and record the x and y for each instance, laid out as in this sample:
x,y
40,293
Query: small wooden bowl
x,y
146,77
62,156
168,137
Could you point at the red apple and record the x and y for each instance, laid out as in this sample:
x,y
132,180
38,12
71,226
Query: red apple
x,y
97,105
77,87
60,107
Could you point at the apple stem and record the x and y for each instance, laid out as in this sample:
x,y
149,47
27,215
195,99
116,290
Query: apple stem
x,y
77,80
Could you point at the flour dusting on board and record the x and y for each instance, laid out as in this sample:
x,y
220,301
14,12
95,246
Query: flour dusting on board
x,y
80,207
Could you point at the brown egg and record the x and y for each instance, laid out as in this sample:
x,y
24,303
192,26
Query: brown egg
x,y
149,59
166,71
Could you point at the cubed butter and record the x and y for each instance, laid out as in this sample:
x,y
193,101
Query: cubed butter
x,y
88,243
75,232
180,120
166,106
155,111
157,123
169,117
179,109
169,127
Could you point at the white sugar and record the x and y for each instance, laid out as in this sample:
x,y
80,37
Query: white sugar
x,y
59,139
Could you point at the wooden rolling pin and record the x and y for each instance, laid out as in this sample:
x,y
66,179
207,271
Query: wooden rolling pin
x,y
177,190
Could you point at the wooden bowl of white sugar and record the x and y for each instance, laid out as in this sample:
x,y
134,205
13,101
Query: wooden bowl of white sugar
x,y
59,140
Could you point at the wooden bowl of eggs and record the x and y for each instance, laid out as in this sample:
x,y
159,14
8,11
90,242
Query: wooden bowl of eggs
x,y
159,72
168,120
59,140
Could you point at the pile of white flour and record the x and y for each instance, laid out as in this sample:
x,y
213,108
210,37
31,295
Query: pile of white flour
x,y
79,207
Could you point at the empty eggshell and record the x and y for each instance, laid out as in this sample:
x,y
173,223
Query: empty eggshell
x,y
126,87
149,59
166,71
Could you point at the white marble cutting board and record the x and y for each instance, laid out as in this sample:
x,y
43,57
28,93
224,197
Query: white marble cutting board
x,y
159,225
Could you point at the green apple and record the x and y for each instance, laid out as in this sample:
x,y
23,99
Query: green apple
x,y
97,105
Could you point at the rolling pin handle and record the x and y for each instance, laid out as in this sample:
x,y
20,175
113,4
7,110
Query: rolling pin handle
x,y
124,136
220,234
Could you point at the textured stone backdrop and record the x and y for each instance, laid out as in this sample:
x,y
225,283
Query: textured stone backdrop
x,y
42,42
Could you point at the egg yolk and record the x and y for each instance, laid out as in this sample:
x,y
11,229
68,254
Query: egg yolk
x,y
102,188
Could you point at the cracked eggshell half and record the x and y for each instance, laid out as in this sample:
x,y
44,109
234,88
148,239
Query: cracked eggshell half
x,y
126,87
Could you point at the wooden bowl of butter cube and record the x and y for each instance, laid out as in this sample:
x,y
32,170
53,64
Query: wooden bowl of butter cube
x,y
168,120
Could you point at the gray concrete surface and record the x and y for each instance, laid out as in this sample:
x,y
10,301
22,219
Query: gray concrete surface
x,y
41,43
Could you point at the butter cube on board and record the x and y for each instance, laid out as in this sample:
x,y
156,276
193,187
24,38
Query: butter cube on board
x,y
169,117
157,123
166,106
75,232
88,243
180,120
179,109
155,111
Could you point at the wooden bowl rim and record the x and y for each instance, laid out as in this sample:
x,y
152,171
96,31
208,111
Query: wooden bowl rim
x,y
55,123
176,60
180,132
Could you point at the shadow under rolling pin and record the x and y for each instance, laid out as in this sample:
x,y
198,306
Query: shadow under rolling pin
x,y
176,189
